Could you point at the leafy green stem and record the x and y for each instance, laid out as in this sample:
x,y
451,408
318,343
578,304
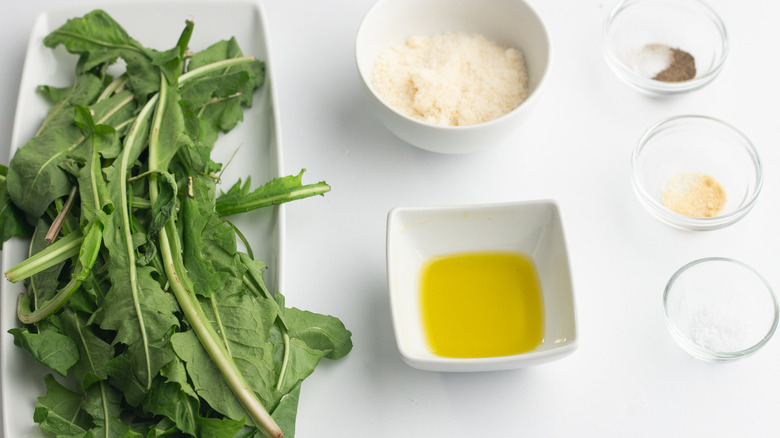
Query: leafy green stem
x,y
132,138
214,66
209,338
88,253
285,360
61,250
250,203
115,86
181,286
141,203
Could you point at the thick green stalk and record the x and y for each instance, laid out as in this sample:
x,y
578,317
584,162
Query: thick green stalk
x,y
188,301
214,66
61,250
285,360
130,140
210,339
45,309
115,86
88,253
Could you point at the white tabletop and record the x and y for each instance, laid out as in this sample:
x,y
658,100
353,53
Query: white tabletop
x,y
628,378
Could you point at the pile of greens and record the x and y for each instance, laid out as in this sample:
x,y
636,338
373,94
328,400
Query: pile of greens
x,y
136,289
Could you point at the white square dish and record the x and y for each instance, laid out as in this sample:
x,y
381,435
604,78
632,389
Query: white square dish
x,y
155,24
534,228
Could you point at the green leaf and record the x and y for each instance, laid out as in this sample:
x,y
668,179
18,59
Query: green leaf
x,y
206,377
219,98
143,323
209,246
239,199
163,428
229,49
96,35
49,347
59,411
34,176
12,219
219,428
104,404
301,362
321,332
243,322
287,411
53,94
168,136
136,307
94,352
100,39
164,206
174,397
99,141
170,61
210,89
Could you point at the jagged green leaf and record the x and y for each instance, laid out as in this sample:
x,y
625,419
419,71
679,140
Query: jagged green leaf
x,y
241,199
49,347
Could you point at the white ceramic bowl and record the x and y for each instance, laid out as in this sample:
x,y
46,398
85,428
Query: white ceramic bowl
x,y
535,228
689,25
720,309
510,23
692,143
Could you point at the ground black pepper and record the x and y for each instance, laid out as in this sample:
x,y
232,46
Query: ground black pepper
x,y
682,67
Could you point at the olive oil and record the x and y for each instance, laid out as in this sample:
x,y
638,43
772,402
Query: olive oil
x,y
481,304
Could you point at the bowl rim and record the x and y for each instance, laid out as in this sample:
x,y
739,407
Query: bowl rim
x,y
449,364
532,95
660,87
680,220
704,353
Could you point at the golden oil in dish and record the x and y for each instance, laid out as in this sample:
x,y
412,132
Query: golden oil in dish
x,y
481,304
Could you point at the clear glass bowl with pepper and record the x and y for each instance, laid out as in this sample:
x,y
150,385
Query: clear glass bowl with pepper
x,y
665,47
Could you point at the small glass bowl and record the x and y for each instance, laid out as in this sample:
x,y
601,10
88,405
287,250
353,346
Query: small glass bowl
x,y
688,25
719,309
697,144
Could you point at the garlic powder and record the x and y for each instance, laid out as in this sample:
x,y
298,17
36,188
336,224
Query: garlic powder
x,y
694,194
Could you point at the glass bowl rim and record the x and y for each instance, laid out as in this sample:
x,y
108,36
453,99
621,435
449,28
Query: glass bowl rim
x,y
660,87
705,353
687,222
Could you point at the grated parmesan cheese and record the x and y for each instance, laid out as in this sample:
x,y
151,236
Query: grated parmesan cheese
x,y
453,79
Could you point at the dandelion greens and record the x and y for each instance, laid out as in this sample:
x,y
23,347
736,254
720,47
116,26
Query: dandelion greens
x,y
136,289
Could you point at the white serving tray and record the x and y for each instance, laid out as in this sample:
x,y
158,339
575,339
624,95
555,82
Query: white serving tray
x,y
155,24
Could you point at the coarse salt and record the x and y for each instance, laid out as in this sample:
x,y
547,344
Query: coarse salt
x,y
719,329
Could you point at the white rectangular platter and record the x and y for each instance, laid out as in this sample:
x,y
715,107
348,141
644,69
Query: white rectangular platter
x,y
255,144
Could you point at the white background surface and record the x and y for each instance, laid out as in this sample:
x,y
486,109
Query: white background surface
x,y
628,377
